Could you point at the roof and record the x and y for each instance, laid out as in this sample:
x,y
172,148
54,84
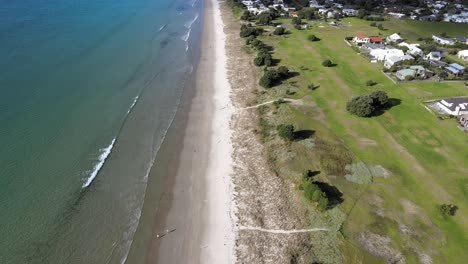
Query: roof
x,y
463,52
361,36
406,72
417,67
457,66
452,70
395,36
461,39
442,38
375,39
453,103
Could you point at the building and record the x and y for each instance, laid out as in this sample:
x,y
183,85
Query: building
x,y
376,40
349,12
442,40
434,55
455,69
405,73
382,54
360,39
394,38
463,54
454,106
396,60
396,15
462,40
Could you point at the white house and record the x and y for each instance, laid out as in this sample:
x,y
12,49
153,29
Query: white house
x,y
396,15
382,54
442,40
434,55
396,60
454,106
463,54
394,38
350,12
361,39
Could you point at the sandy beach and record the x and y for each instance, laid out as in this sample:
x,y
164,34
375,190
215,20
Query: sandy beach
x,y
194,223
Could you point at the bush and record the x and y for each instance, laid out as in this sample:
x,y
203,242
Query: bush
x,y
370,83
268,78
448,209
373,24
279,31
362,106
409,78
296,21
248,16
380,27
249,40
283,71
286,132
313,38
265,18
248,30
327,63
298,27
259,61
313,193
379,98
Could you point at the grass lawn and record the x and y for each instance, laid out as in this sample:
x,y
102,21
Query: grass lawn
x,y
427,158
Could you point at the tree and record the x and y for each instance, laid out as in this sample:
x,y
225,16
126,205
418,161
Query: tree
x,y
279,31
362,106
327,63
248,30
296,21
313,38
268,78
248,16
259,61
448,209
380,27
313,193
370,83
307,13
380,98
286,132
373,24
264,18
283,71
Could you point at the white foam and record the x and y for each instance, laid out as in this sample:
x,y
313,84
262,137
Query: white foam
x,y
133,104
162,27
190,23
186,36
97,167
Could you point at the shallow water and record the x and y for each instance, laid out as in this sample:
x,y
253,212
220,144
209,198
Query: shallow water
x,y
88,90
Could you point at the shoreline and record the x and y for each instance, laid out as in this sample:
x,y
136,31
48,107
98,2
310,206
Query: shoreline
x,y
189,217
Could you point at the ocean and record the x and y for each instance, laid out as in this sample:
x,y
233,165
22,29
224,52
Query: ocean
x,y
88,90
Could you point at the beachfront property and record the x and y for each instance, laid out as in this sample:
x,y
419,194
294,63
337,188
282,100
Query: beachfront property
x,y
463,54
414,71
360,39
433,56
454,106
395,38
455,69
442,40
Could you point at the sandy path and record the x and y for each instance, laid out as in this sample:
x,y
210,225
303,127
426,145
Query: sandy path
x,y
280,231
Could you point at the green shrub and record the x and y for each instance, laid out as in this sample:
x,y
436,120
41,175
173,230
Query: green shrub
x,y
313,193
448,209
286,132
296,21
327,63
283,71
379,98
279,31
313,38
362,106
370,83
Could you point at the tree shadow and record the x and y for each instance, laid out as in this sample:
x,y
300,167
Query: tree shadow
x,y
303,134
309,174
334,195
392,102
275,62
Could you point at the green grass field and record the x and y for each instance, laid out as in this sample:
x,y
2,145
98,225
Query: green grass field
x,y
427,158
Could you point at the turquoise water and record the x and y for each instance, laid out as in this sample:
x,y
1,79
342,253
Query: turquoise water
x,y
87,91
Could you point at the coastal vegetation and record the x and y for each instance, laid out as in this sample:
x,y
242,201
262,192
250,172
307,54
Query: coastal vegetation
x,y
395,176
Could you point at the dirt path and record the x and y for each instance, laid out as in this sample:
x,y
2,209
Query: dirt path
x,y
281,231
294,101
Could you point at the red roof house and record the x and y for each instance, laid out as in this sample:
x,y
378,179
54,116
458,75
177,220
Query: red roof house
x,y
376,40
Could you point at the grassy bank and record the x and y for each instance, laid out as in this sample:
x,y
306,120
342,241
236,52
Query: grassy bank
x,y
424,159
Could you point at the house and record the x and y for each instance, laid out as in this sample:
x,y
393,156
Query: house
x,y
463,40
455,69
442,40
349,12
454,106
396,60
381,54
405,73
371,46
421,71
434,55
396,15
394,38
376,40
464,121
360,39
463,54
413,49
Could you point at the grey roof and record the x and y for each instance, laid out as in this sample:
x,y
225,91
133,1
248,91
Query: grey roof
x,y
457,66
453,103
461,39
452,70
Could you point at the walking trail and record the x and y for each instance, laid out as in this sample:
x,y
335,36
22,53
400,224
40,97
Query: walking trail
x,y
272,101
280,231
